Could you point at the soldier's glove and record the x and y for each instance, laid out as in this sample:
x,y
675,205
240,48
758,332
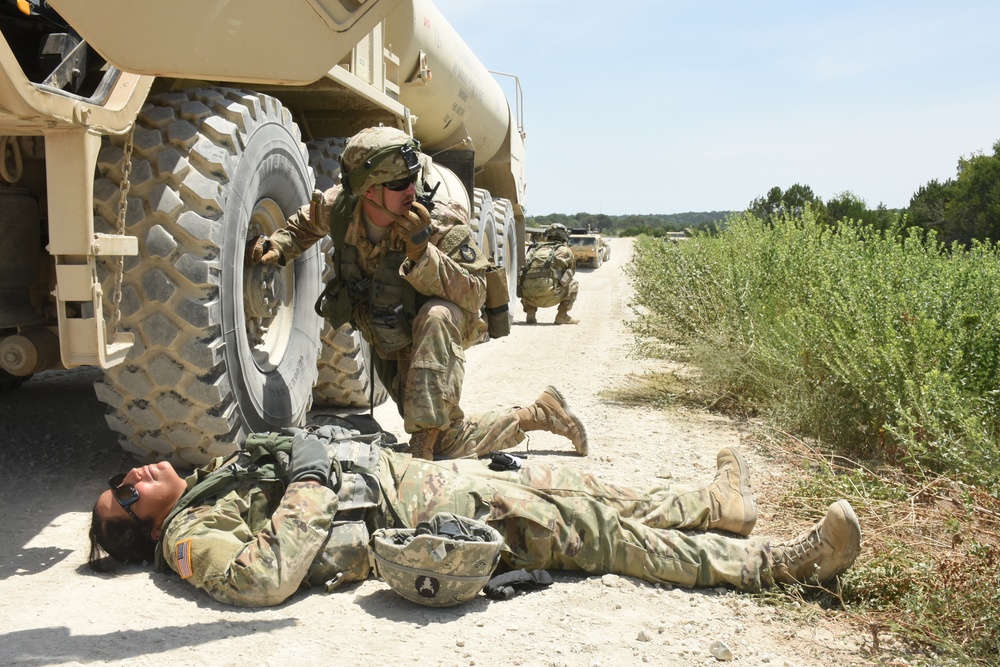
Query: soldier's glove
x,y
507,585
310,460
416,227
260,250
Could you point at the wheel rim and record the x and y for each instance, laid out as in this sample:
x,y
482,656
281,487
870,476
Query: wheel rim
x,y
268,291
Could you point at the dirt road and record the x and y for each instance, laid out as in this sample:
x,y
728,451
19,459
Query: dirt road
x,y
57,452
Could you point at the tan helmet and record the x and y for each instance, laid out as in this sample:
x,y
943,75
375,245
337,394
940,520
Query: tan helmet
x,y
441,563
557,231
378,155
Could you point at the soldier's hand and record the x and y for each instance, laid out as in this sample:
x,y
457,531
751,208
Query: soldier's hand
x,y
310,460
260,250
417,230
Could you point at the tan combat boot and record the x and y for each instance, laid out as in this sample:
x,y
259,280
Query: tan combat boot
x,y
562,317
823,552
731,500
550,413
422,444
529,316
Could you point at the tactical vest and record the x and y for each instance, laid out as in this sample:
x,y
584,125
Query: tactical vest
x,y
540,275
344,556
392,301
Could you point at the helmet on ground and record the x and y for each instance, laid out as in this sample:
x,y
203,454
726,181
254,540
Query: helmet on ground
x,y
557,232
441,563
377,155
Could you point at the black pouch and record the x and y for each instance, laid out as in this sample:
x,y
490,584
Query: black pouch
x,y
335,305
502,462
496,310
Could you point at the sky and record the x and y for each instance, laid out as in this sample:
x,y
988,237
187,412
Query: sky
x,y
669,106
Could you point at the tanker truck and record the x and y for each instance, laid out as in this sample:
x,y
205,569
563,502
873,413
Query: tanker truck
x,y
144,143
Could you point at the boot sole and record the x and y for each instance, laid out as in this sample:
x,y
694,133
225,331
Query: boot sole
x,y
749,505
584,447
850,519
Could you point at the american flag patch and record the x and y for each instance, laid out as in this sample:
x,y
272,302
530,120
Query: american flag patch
x,y
184,559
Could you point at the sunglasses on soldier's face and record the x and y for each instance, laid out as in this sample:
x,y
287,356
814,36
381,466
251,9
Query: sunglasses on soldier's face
x,y
126,495
400,184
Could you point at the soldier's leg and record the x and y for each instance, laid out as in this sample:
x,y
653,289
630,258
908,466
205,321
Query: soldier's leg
x,y
436,368
496,430
583,534
725,504
529,313
479,435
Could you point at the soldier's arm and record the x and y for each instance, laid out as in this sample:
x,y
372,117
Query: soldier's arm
x,y
305,227
566,258
214,549
453,267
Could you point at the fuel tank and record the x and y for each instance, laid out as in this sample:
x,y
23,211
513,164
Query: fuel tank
x,y
255,41
449,90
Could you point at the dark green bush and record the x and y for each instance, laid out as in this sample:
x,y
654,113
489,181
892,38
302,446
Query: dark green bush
x,y
883,344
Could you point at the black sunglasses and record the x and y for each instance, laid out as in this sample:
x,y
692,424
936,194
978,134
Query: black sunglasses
x,y
126,495
400,184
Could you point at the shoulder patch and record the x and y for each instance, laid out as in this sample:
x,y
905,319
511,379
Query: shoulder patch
x,y
467,253
183,552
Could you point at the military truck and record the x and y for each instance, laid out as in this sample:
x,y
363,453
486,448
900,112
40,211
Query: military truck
x,y
144,143
589,248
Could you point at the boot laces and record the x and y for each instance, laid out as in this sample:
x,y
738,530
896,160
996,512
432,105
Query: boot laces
x,y
802,548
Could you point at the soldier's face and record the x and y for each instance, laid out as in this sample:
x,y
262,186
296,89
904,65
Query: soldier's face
x,y
396,201
158,486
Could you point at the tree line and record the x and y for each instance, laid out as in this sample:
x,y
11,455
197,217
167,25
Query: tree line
x,y
958,210
633,225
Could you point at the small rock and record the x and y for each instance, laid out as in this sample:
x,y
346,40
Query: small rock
x,y
644,636
720,651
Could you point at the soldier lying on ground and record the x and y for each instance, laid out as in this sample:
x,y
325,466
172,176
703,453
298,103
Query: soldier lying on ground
x,y
277,524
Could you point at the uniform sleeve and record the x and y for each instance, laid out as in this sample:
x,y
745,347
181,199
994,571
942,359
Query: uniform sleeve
x,y
215,549
566,259
306,226
453,268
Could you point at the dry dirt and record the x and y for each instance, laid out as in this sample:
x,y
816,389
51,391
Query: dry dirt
x,y
57,452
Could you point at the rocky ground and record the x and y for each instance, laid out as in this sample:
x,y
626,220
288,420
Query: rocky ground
x,y
57,453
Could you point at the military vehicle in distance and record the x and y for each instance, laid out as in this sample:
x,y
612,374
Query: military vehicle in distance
x,y
589,247
143,143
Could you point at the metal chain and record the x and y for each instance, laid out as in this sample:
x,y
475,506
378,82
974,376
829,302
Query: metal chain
x,y
123,188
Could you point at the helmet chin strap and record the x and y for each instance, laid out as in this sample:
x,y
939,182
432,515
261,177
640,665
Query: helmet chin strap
x,y
395,216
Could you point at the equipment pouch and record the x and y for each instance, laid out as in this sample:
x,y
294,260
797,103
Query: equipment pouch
x,y
334,304
496,310
391,330
344,557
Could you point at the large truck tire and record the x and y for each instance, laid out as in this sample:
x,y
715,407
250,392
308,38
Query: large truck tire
x,y
221,349
345,378
507,243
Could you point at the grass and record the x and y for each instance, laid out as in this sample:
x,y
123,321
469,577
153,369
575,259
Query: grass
x,y
873,360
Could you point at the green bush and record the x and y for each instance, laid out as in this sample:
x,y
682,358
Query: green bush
x,y
883,344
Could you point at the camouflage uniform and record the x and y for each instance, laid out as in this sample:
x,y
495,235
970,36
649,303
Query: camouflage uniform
x,y
257,544
424,368
557,287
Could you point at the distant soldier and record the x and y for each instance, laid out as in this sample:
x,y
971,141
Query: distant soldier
x,y
547,278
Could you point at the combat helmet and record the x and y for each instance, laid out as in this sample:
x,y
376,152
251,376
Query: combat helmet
x,y
378,155
557,232
442,562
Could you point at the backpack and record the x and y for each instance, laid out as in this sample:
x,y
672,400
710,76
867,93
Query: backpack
x,y
540,275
